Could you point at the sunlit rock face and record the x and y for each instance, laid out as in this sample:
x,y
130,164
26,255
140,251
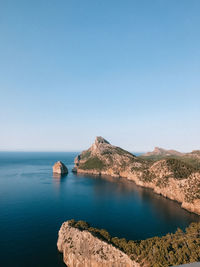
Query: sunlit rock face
x,y
81,248
59,168
171,177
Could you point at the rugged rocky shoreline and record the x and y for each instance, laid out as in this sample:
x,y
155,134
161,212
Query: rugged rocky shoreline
x,y
86,246
81,248
170,177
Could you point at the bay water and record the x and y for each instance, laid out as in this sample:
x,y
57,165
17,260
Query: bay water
x,y
34,203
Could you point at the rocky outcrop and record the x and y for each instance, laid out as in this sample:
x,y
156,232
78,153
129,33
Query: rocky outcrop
x,y
81,248
172,178
60,168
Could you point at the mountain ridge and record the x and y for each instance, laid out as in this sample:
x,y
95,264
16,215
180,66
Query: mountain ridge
x,y
171,177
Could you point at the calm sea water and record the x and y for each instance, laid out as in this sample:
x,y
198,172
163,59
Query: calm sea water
x,y
34,203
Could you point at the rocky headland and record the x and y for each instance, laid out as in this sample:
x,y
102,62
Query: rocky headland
x,y
86,246
81,248
60,168
177,178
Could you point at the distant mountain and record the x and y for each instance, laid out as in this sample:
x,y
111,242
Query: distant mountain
x,y
194,154
192,158
163,152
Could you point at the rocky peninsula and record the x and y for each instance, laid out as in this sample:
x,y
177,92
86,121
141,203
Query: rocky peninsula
x,y
176,178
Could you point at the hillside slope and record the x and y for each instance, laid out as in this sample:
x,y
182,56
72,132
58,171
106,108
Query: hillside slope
x,y
158,151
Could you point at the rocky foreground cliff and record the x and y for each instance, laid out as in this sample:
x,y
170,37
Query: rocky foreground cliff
x,y
86,246
81,248
173,178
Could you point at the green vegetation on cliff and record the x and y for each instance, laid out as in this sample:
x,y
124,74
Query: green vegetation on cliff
x,y
192,161
171,249
85,155
180,169
93,163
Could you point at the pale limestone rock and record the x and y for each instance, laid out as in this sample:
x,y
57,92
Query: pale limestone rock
x,y
60,168
82,249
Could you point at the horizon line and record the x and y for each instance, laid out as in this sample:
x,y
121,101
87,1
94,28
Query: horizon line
x,y
59,151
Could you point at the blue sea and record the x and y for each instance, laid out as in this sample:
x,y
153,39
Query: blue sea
x,y
34,204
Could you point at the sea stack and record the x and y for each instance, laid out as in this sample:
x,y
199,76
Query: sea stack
x,y
60,168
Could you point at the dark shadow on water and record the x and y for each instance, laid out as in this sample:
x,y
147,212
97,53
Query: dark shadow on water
x,y
146,204
58,180
59,176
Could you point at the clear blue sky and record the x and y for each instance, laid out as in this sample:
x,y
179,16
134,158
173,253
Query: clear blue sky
x,y
127,70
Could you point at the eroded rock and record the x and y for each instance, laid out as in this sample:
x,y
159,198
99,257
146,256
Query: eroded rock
x,y
60,168
81,248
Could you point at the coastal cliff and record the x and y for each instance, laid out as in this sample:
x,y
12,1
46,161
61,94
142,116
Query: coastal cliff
x,y
171,177
86,246
81,248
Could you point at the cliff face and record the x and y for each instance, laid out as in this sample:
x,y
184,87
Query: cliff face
x,y
81,248
171,178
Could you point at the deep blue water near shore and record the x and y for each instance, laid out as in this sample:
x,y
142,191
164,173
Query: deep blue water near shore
x,y
33,205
